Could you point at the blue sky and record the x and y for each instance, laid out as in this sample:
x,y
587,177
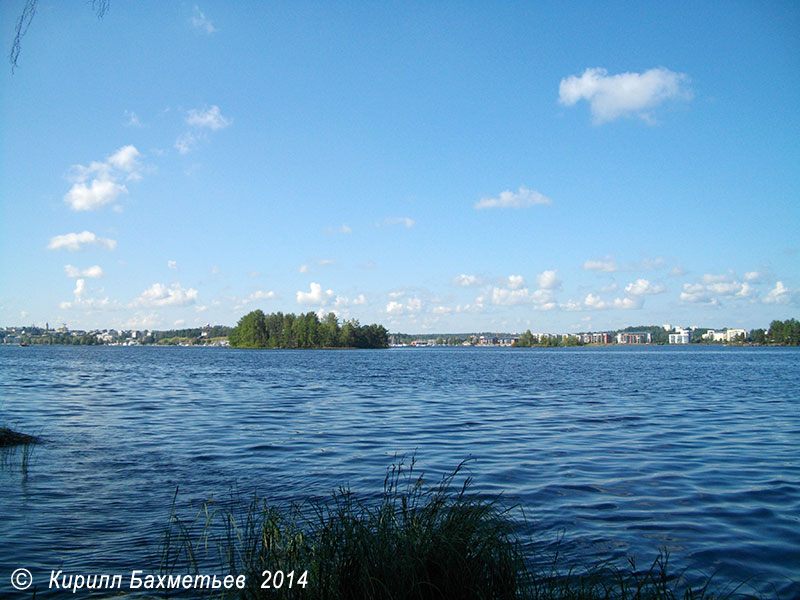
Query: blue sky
x,y
435,167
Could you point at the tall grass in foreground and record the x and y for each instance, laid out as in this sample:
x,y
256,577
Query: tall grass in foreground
x,y
414,542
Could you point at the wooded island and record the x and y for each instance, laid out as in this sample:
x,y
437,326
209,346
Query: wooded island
x,y
278,330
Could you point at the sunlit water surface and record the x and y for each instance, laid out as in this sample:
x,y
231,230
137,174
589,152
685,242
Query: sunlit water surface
x,y
618,451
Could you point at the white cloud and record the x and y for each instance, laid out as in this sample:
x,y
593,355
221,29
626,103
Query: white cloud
x,y
515,292
133,119
92,304
394,307
125,159
74,241
466,280
201,22
303,269
515,282
752,276
200,120
104,187
258,295
709,278
642,287
80,288
607,265
93,272
160,295
625,94
649,264
510,297
316,296
628,303
185,142
141,321
210,118
696,293
547,280
711,289
780,294
546,306
745,291
96,195
677,271
592,301
508,199
413,305
171,264
343,301
408,222
543,296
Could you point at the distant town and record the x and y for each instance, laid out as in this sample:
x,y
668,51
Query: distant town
x,y
208,335
785,333
778,333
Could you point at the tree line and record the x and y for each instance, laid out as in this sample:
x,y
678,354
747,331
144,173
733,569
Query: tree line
x,y
190,335
528,340
278,330
784,333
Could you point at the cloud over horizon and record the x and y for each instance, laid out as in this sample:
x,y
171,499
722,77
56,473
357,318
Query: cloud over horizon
x,y
159,294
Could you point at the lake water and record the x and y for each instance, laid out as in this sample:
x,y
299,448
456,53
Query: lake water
x,y
622,451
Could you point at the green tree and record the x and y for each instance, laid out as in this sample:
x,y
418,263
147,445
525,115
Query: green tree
x,y
526,340
329,331
257,330
250,331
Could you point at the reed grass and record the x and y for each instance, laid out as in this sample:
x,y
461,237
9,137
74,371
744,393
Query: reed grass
x,y
414,542
12,442
12,438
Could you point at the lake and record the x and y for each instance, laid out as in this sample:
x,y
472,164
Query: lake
x,y
617,451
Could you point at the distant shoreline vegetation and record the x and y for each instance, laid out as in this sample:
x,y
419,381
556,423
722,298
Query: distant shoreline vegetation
x,y
278,330
779,333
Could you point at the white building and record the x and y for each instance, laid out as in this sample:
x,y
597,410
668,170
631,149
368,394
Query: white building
x,y
714,336
732,334
680,336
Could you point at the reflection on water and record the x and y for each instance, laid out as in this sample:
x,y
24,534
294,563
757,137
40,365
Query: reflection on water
x,y
625,450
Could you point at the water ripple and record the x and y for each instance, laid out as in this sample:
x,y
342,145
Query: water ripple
x,y
622,450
